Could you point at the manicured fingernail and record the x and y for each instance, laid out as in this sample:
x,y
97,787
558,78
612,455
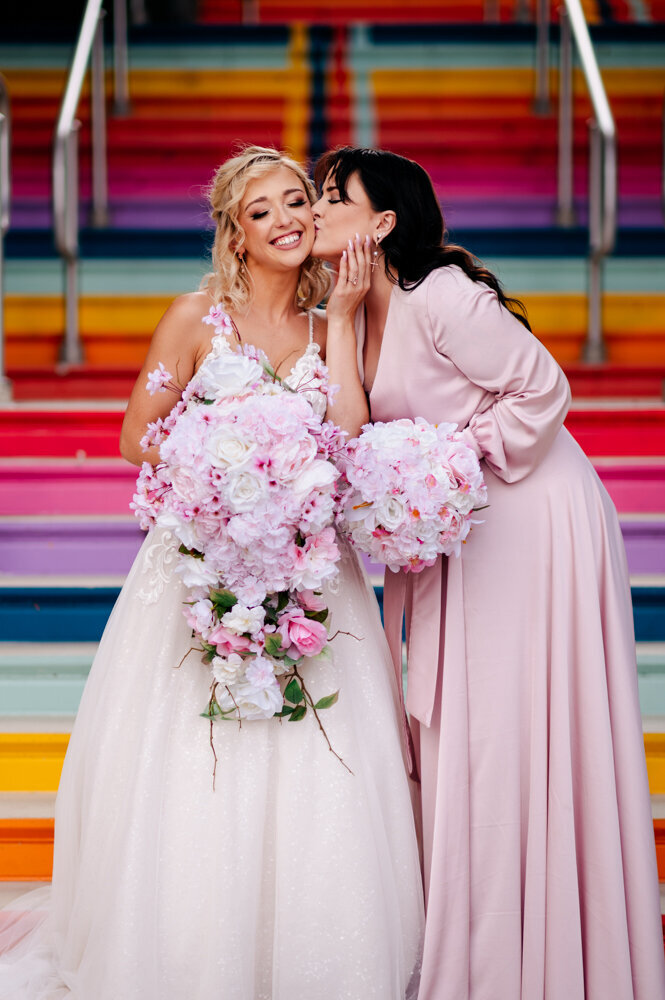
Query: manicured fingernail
x,y
367,240
350,245
343,254
358,237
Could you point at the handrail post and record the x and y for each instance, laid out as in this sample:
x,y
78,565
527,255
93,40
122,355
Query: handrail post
x,y
602,169
5,200
100,198
71,351
120,59
594,348
565,210
65,166
541,104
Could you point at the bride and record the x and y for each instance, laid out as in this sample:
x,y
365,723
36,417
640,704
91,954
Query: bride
x,y
293,879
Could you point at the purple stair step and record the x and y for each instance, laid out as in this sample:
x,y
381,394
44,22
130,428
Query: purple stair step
x,y
472,213
108,547
77,546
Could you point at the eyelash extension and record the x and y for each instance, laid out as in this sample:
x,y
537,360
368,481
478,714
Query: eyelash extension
x,y
334,201
291,204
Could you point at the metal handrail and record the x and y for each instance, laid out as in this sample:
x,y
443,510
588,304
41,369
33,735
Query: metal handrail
x,y
602,160
65,167
5,203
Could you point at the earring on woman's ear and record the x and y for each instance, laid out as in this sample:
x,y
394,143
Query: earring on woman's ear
x,y
375,253
241,260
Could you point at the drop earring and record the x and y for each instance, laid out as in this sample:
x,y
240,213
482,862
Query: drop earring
x,y
375,253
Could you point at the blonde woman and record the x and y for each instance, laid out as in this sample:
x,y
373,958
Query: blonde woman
x,y
293,879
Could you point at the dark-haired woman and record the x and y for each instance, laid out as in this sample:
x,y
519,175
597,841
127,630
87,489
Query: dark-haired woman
x,y
539,858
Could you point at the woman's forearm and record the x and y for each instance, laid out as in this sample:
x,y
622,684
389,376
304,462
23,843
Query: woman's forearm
x,y
348,408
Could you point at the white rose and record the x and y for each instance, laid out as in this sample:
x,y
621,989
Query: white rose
x,y
315,476
227,670
229,374
227,449
254,703
244,490
244,620
390,512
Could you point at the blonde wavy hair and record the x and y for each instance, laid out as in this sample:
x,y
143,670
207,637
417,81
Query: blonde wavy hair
x,y
229,283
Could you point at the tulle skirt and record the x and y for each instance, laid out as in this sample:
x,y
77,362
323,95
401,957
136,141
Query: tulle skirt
x,y
292,879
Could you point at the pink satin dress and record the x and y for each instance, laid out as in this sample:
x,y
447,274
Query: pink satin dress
x,y
539,859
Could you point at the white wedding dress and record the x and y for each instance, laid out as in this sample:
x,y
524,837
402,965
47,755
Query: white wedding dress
x,y
292,880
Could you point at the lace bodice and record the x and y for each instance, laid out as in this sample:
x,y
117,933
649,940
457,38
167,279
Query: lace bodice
x,y
308,376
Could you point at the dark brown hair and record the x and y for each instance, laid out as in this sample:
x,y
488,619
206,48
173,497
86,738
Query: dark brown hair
x,y
417,244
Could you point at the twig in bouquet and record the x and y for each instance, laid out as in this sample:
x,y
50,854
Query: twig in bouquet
x,y
310,702
192,649
341,632
214,753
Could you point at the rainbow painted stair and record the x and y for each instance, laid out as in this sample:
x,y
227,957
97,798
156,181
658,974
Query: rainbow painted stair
x,y
455,101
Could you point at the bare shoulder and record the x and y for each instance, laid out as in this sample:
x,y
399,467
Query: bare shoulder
x,y
182,324
187,310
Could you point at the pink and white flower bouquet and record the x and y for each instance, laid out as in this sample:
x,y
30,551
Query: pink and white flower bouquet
x,y
247,485
413,489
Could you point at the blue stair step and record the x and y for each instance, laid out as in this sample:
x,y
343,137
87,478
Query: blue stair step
x,y
67,613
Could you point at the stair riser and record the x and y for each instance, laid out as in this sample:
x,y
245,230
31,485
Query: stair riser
x,y
27,850
33,762
67,434
63,614
100,548
39,696
88,489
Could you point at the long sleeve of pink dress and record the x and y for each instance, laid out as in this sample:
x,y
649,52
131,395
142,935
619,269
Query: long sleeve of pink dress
x,y
539,857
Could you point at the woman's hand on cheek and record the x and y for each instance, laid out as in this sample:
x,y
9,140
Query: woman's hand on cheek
x,y
353,280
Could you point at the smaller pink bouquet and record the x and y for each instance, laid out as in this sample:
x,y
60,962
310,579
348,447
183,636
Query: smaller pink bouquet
x,y
413,487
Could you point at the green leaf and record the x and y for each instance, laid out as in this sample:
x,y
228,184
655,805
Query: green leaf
x,y
285,711
317,616
223,599
207,402
298,713
194,553
288,661
293,692
282,600
328,701
273,644
209,651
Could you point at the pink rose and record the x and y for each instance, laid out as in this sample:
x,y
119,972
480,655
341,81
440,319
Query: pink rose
x,y
228,642
308,637
311,601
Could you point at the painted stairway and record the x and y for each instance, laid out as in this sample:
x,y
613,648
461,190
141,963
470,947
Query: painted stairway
x,y
65,536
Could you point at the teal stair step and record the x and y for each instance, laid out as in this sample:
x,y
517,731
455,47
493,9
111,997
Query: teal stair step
x,y
46,679
43,679
651,679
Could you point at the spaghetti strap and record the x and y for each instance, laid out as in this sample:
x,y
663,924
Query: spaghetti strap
x,y
310,316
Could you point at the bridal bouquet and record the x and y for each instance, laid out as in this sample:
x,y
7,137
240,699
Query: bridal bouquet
x,y
248,487
413,487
